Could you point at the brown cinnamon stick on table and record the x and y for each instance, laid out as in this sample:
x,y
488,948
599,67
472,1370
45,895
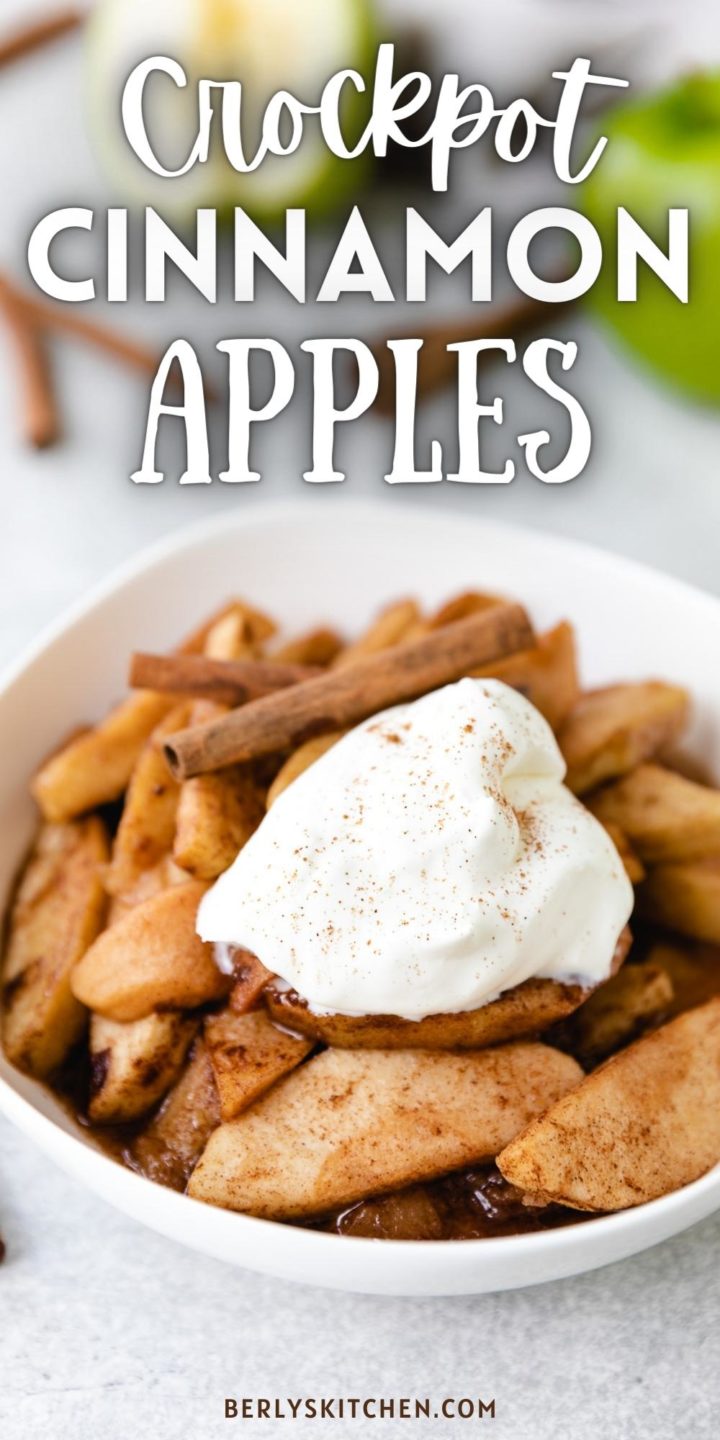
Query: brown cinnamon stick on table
x,y
41,419
228,682
437,365
343,697
26,38
64,321
29,319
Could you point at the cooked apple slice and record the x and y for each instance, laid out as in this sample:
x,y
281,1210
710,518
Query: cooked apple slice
x,y
546,673
259,625
527,1009
151,959
57,913
347,1125
694,972
133,1065
316,647
645,1123
217,813
685,896
147,826
97,765
172,1142
238,627
612,730
458,607
391,627
147,884
249,978
248,1054
665,815
616,1012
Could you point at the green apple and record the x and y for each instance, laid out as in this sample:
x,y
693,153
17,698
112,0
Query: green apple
x,y
664,152
269,45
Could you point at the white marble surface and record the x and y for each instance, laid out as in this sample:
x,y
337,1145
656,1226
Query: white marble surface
x,y
108,1331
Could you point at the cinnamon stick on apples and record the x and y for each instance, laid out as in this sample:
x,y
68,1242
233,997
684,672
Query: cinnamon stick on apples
x,y
342,697
228,682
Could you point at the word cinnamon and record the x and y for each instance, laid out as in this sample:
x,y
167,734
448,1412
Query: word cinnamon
x,y
228,682
437,365
343,697
26,38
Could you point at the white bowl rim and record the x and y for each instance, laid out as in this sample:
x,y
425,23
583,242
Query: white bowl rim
x,y
641,1226
188,536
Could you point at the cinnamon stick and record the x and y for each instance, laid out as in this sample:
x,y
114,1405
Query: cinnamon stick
x,y
40,415
437,365
26,38
228,682
29,319
45,316
343,697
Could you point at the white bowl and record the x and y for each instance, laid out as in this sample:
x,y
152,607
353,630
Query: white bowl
x,y
310,563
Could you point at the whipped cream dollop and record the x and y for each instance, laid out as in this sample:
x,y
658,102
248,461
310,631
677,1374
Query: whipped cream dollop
x,y
429,861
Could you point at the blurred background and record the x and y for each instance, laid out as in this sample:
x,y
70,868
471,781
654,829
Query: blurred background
x,y
116,1346
647,374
